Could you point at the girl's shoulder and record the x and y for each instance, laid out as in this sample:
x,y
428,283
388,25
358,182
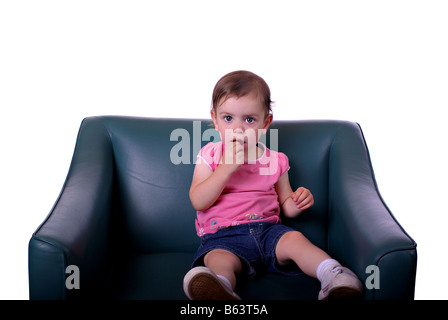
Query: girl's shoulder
x,y
211,154
275,160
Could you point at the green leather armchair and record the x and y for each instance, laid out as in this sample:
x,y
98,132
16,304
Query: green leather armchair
x,y
124,220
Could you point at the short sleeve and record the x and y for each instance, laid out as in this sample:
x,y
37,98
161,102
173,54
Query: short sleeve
x,y
283,162
210,154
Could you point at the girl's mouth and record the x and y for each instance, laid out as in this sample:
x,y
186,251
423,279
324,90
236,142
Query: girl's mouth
x,y
244,142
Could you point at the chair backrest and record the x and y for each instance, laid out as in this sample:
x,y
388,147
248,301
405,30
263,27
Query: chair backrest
x,y
154,160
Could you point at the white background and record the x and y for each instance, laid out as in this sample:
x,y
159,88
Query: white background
x,y
383,64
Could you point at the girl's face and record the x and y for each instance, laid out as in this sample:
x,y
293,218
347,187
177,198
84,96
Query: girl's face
x,y
241,117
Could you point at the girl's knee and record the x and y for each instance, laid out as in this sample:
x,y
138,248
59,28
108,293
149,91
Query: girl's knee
x,y
221,256
288,244
292,236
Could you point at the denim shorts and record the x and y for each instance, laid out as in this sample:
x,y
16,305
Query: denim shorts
x,y
254,243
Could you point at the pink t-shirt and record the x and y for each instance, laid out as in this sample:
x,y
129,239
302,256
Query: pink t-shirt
x,y
248,195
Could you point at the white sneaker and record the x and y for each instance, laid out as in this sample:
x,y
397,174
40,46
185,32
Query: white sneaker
x,y
340,283
201,283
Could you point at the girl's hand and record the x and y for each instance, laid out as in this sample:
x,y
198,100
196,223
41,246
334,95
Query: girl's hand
x,y
303,198
233,156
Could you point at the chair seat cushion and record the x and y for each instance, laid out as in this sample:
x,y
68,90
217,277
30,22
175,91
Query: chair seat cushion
x,y
159,276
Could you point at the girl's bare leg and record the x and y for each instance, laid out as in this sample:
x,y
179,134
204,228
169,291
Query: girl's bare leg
x,y
224,263
295,246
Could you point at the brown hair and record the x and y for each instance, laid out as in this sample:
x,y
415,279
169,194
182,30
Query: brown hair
x,y
239,84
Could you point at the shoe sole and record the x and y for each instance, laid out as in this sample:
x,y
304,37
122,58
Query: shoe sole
x,y
343,293
202,284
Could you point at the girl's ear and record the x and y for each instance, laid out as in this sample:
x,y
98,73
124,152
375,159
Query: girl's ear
x,y
215,120
267,122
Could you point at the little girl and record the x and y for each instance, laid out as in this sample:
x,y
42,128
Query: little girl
x,y
238,195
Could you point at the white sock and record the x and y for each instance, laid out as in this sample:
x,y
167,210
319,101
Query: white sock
x,y
225,281
324,267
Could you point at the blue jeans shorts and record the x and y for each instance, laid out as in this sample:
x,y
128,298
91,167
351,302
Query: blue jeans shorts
x,y
254,243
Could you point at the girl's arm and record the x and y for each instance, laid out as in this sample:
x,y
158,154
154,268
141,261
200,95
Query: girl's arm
x,y
207,185
292,203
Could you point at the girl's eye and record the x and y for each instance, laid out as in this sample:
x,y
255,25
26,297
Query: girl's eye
x,y
250,120
228,118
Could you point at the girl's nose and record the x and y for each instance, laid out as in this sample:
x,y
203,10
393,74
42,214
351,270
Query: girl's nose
x,y
238,127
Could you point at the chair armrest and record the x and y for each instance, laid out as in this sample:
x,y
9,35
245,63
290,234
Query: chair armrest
x,y
362,231
76,230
